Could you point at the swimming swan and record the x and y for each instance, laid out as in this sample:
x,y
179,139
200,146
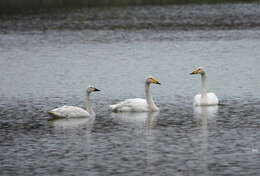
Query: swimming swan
x,y
204,99
138,104
73,111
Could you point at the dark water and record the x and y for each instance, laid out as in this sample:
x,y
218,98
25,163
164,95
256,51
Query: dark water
x,y
48,60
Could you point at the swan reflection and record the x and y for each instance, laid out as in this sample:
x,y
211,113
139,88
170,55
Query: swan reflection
x,y
202,112
137,119
73,123
205,116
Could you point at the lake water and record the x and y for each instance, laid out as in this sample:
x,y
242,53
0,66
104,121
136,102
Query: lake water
x,y
48,59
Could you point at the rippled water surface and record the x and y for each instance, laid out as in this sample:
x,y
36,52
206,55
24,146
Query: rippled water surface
x,y
48,59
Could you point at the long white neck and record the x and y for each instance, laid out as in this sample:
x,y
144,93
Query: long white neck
x,y
149,98
203,86
89,106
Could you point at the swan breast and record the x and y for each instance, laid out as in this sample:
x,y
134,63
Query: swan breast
x,y
211,99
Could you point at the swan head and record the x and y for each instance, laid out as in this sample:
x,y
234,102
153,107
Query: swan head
x,y
151,80
199,70
91,89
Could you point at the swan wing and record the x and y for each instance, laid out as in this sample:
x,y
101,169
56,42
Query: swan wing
x,y
69,112
130,105
212,99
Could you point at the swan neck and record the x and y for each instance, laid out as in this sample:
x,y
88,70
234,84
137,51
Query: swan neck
x,y
89,106
203,86
149,97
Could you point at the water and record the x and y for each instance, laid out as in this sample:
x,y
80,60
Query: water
x,y
48,60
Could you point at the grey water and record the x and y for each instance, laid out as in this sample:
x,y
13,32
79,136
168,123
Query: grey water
x,y
48,59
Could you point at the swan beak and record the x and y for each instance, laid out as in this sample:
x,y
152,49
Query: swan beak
x,y
96,89
155,81
195,72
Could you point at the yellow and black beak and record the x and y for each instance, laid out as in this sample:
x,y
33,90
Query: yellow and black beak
x,y
96,89
195,72
155,81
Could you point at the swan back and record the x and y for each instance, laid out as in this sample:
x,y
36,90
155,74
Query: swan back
x,y
69,112
130,105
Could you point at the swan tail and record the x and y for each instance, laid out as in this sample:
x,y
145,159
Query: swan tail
x,y
117,107
51,112
113,108
54,115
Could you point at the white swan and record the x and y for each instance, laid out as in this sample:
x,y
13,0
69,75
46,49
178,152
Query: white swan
x,y
138,104
73,111
204,99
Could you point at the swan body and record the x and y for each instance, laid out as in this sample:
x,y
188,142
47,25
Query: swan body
x,y
69,112
135,104
74,111
204,99
210,100
138,104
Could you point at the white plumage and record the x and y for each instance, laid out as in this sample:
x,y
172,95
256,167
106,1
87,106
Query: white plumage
x,y
74,111
69,112
135,104
210,100
204,99
138,104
